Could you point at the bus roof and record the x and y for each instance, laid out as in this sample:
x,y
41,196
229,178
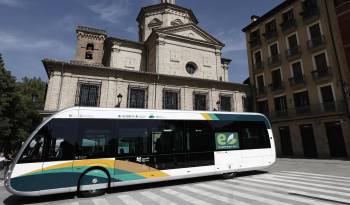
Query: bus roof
x,y
122,113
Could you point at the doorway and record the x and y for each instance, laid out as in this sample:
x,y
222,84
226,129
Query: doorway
x,y
308,139
335,139
286,143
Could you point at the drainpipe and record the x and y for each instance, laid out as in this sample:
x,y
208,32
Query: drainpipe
x,y
337,60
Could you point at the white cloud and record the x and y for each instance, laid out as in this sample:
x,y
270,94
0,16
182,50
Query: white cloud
x,y
234,40
131,29
11,3
11,42
68,23
111,12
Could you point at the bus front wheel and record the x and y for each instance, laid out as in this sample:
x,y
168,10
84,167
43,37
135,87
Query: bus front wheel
x,y
230,175
93,182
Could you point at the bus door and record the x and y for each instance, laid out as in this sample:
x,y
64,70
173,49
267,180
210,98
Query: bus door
x,y
29,167
60,139
133,157
95,153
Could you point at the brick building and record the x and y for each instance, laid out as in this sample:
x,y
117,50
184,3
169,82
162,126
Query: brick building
x,y
297,65
174,65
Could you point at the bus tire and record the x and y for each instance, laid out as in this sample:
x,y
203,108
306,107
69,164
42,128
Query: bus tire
x,y
93,177
230,175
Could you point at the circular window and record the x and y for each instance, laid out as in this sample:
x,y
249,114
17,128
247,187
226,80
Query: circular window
x,y
191,68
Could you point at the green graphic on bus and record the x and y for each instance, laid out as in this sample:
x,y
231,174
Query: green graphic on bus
x,y
226,140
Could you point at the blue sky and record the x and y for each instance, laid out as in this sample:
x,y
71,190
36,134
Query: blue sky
x,y
31,30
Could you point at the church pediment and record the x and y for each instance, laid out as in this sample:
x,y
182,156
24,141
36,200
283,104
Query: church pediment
x,y
190,31
155,22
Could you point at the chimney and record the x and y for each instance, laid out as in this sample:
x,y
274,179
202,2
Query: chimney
x,y
254,18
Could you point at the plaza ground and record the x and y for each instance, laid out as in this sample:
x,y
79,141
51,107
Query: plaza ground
x,y
288,181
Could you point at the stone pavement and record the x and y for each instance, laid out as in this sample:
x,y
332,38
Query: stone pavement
x,y
289,181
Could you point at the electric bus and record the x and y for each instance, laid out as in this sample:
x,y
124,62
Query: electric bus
x,y
89,150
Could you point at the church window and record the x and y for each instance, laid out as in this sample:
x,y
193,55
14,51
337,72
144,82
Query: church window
x,y
200,101
171,100
89,51
88,55
88,94
225,103
191,67
90,47
137,97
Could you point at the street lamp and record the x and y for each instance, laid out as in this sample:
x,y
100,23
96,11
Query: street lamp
x,y
119,97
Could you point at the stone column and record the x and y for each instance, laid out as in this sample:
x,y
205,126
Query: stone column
x,y
53,91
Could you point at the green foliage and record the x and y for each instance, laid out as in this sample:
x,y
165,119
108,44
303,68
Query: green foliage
x,y
19,105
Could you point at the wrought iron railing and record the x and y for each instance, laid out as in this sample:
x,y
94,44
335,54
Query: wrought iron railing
x,y
297,80
274,60
255,42
270,34
321,73
316,42
310,110
310,13
289,24
258,66
293,51
276,86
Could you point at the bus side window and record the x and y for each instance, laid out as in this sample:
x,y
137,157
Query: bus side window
x,y
95,138
61,139
254,135
34,150
133,138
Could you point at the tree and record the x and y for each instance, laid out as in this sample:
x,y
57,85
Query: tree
x,y
19,105
7,95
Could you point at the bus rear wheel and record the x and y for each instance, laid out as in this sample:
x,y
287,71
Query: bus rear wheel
x,y
94,182
230,175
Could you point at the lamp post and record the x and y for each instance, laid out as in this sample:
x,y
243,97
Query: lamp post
x,y
119,98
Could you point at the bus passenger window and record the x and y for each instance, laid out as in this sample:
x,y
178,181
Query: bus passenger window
x,y
95,138
60,139
254,136
34,150
133,141
167,137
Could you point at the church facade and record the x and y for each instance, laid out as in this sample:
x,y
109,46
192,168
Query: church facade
x,y
174,65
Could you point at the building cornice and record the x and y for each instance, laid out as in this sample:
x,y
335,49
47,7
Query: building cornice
x,y
61,66
267,15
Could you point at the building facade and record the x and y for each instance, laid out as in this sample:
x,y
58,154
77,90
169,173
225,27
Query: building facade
x,y
300,76
174,65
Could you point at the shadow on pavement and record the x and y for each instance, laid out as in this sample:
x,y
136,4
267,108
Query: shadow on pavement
x,y
14,200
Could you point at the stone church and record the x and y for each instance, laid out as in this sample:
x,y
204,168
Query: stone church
x,y
174,65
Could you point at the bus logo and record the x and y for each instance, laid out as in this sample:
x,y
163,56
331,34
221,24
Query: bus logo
x,y
226,140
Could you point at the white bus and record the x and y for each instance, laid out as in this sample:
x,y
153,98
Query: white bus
x,y
92,149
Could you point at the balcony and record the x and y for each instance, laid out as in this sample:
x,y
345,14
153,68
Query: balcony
x,y
308,111
258,67
270,35
310,14
288,25
293,53
297,81
274,61
316,42
321,74
261,91
276,87
254,43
